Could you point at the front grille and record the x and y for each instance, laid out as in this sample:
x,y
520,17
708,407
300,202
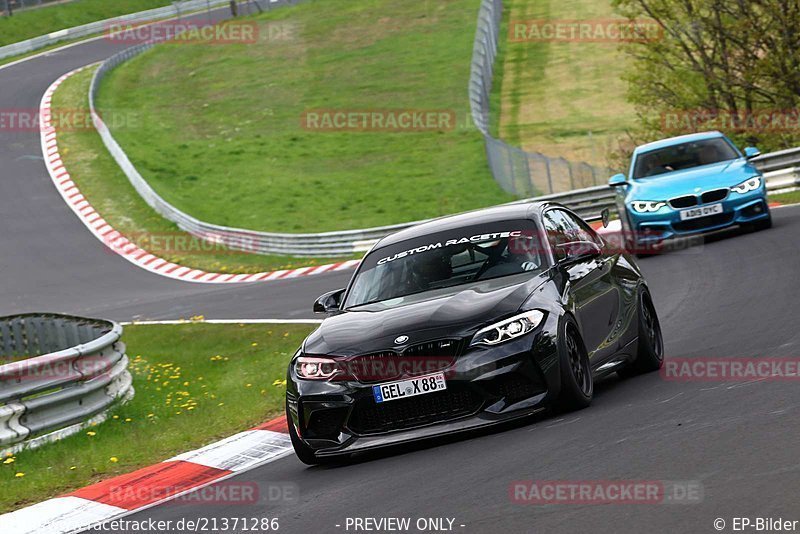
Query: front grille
x,y
415,360
714,196
694,225
369,417
683,202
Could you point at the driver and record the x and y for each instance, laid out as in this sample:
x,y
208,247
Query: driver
x,y
427,269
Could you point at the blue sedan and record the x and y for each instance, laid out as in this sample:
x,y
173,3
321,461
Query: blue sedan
x,y
687,185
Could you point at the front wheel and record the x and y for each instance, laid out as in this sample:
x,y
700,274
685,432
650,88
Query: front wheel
x,y
577,384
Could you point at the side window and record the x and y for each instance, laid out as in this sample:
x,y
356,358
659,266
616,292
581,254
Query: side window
x,y
558,229
583,232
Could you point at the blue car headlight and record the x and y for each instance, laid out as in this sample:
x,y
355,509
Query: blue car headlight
x,y
751,184
511,328
647,206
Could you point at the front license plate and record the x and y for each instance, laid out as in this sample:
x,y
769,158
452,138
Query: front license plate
x,y
702,211
409,388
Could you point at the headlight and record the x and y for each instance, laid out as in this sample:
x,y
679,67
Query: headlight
x,y
511,328
647,206
751,184
315,368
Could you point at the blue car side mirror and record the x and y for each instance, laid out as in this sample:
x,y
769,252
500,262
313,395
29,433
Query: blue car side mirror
x,y
751,152
618,180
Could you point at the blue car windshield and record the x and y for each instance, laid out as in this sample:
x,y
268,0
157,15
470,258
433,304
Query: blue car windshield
x,y
683,156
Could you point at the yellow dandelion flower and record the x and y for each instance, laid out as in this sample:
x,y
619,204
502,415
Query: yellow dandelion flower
x,y
90,433
113,459
9,461
20,475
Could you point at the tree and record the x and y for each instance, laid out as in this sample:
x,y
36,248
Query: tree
x,y
732,65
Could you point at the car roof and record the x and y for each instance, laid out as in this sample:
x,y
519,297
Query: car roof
x,y
505,212
688,138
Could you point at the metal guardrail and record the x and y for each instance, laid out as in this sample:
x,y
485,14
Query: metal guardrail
x,y
63,371
777,160
93,28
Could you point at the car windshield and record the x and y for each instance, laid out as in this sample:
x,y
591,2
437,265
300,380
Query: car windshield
x,y
445,259
683,156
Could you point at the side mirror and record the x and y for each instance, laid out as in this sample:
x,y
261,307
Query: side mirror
x,y
577,249
605,216
329,302
618,180
751,152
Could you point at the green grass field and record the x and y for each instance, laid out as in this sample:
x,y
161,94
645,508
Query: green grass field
x,y
35,22
218,130
195,383
792,197
105,186
561,98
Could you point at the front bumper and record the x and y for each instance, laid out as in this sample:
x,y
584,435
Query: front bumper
x,y
485,386
666,223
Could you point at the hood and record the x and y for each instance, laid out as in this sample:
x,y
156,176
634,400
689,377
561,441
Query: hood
x,y
685,182
431,315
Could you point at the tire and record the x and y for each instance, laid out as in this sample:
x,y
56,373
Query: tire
x,y
577,384
304,453
763,224
650,346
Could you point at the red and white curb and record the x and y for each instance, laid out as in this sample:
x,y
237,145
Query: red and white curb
x,y
154,485
118,242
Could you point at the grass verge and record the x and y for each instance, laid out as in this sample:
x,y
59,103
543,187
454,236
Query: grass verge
x,y
31,23
219,134
561,98
106,187
195,383
792,197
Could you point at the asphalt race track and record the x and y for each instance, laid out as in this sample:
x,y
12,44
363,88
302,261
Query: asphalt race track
x,y
53,263
735,296
730,298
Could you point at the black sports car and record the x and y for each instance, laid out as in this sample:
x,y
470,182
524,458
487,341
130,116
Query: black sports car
x,y
466,321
